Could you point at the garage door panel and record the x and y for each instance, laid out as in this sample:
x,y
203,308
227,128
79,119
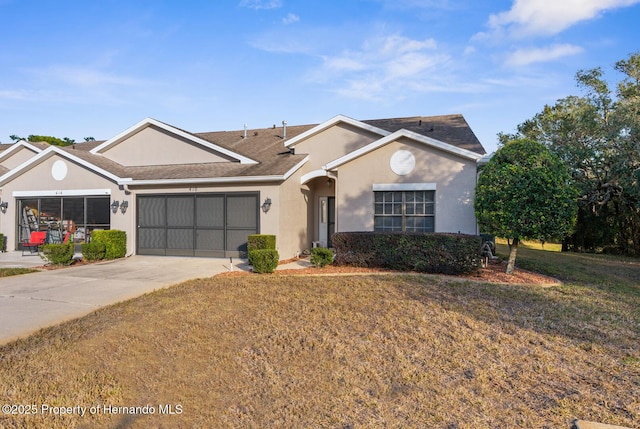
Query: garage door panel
x,y
180,211
151,212
152,238
180,239
210,211
211,225
209,239
241,212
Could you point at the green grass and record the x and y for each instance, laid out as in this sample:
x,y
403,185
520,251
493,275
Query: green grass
x,y
390,350
6,272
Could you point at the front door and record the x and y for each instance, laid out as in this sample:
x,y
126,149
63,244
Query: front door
x,y
327,217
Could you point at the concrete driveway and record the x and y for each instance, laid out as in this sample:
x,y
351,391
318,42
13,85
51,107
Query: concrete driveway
x,y
30,302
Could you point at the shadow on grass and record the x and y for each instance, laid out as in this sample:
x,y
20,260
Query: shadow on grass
x,y
609,273
598,304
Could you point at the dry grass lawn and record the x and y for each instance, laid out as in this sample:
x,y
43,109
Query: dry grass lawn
x,y
391,350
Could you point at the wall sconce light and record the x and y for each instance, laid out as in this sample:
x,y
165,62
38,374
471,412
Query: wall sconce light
x,y
123,206
4,206
114,206
266,205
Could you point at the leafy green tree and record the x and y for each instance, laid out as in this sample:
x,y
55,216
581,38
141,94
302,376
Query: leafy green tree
x,y
597,136
525,192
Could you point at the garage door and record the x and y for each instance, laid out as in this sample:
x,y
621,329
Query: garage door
x,y
214,225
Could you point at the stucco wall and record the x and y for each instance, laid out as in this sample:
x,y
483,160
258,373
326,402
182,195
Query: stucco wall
x,y
16,158
295,222
39,181
454,178
333,143
153,146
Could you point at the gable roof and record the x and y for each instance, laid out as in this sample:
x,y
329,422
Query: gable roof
x,y
57,150
262,155
427,141
170,129
330,123
449,129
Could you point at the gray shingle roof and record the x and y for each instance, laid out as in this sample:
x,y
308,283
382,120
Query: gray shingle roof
x,y
452,129
266,146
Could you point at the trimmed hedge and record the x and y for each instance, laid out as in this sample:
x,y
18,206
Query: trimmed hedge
x,y
115,242
321,256
93,251
428,253
58,253
261,241
264,260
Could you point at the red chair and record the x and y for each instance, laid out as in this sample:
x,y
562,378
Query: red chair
x,y
36,240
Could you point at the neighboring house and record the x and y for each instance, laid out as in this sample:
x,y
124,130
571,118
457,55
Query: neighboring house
x,y
201,194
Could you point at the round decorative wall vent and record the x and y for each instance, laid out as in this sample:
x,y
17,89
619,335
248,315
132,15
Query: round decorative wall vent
x,y
59,170
402,162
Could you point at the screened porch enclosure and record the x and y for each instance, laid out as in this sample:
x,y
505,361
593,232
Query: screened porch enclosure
x,y
212,225
76,216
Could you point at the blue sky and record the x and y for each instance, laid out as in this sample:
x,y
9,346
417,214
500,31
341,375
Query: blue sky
x,y
94,68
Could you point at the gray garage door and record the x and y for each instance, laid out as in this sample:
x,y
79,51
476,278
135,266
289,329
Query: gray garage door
x,y
214,225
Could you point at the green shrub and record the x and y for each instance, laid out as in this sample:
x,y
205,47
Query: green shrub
x,y
93,251
261,242
430,253
264,260
58,253
3,243
115,242
321,256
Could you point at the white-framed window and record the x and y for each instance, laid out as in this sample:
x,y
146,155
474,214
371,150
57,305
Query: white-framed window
x,y
404,210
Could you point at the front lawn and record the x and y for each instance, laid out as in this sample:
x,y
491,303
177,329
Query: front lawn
x,y
6,272
389,350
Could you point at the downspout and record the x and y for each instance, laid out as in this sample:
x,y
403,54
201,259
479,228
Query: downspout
x,y
133,224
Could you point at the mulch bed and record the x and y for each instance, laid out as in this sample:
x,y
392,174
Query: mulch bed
x,y
494,273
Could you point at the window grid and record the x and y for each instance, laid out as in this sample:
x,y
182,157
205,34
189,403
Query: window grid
x,y
408,211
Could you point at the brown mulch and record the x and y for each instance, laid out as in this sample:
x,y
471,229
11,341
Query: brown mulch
x,y
494,273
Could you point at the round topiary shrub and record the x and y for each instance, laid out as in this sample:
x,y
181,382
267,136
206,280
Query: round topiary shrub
x,y
321,256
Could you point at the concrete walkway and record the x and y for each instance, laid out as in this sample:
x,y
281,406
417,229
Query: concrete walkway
x,y
30,302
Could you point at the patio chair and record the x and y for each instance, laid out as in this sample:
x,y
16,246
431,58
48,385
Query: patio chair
x,y
36,240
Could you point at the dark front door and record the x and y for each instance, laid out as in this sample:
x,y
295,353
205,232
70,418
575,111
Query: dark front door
x,y
331,219
214,225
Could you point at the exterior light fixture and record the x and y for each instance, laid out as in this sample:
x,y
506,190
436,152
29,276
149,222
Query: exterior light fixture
x,y
123,206
114,206
3,206
266,205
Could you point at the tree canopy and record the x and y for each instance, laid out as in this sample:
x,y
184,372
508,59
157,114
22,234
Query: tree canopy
x,y
66,141
525,192
597,135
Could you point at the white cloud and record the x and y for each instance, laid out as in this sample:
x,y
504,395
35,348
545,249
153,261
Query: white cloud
x,y
290,19
523,57
86,77
544,17
386,63
261,4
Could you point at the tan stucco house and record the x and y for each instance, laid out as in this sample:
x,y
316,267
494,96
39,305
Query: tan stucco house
x,y
201,194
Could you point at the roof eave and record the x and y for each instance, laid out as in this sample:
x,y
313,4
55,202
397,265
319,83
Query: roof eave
x,y
446,147
331,122
149,121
